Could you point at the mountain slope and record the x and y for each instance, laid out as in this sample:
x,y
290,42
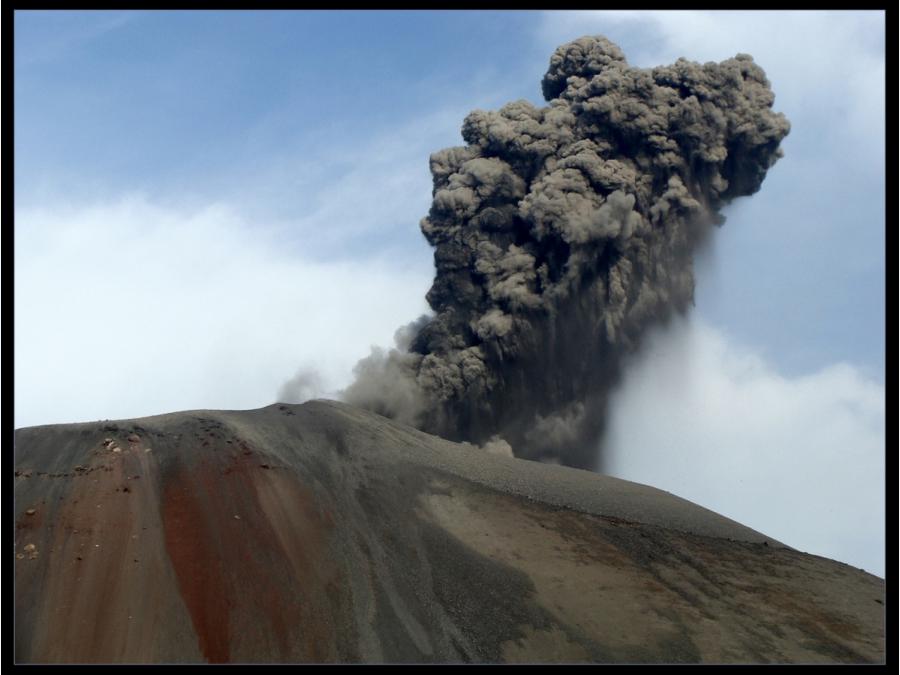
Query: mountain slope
x,y
323,533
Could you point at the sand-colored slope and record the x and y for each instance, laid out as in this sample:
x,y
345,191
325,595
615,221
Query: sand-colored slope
x,y
324,533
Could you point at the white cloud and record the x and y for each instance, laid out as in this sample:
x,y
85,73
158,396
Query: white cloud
x,y
800,459
129,308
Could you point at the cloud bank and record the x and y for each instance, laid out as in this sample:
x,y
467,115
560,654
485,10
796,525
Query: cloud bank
x,y
799,458
130,308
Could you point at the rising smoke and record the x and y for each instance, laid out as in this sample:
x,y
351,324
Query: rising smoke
x,y
563,233
306,384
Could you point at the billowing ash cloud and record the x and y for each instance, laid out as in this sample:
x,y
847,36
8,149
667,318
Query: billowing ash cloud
x,y
561,234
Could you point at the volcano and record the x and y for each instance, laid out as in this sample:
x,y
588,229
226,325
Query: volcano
x,y
325,533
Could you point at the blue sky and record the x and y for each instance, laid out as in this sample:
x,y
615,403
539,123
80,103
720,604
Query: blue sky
x,y
208,201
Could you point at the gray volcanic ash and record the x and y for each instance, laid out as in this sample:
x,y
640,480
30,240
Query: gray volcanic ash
x,y
561,235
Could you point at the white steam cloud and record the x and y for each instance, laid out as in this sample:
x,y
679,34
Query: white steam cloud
x,y
130,308
801,459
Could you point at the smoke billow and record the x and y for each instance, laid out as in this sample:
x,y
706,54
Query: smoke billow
x,y
306,384
563,233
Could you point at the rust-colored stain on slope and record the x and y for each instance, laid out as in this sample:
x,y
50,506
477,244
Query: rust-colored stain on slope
x,y
249,550
197,564
85,590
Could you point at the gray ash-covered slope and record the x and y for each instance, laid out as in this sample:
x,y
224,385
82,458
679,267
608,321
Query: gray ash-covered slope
x,y
323,533
561,234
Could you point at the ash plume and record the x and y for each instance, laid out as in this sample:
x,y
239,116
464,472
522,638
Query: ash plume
x,y
561,234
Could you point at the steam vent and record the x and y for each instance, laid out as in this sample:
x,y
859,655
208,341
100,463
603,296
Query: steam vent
x,y
324,533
